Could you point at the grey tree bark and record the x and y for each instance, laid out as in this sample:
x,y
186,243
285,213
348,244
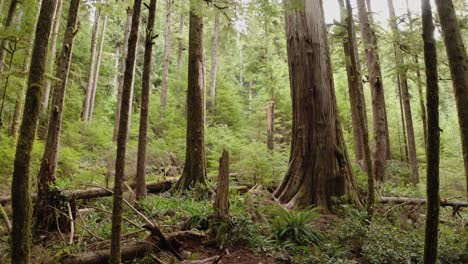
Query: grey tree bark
x,y
167,55
214,65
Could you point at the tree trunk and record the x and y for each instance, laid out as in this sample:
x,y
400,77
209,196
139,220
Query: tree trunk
x,y
167,55
140,180
128,26
214,65
353,71
180,50
433,140
403,83
419,82
221,204
27,61
404,154
21,186
51,58
318,168
250,95
458,62
122,136
195,165
45,214
92,65
7,24
379,153
388,153
358,103
271,126
97,68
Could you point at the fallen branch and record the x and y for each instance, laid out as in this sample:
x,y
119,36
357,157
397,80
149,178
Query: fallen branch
x,y
417,201
130,250
97,192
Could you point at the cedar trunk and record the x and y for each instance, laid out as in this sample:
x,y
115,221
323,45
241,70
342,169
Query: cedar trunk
x,y
140,181
433,139
122,136
167,55
379,152
214,65
403,83
195,167
92,65
21,185
458,62
44,214
221,204
318,165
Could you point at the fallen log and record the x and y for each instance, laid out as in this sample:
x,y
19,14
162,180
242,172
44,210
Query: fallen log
x,y
417,201
131,250
96,192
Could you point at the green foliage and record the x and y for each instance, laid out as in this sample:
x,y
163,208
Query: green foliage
x,y
296,226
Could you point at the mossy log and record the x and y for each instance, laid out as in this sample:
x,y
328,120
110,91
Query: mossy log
x,y
415,201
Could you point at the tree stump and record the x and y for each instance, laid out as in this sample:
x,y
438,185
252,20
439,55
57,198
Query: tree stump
x,y
221,204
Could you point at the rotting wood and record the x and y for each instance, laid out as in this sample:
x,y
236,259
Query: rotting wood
x,y
97,192
221,204
413,201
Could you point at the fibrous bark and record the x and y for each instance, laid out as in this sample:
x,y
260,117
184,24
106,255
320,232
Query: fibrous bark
x,y
140,180
122,135
318,166
221,204
458,62
167,55
21,185
195,164
214,65
44,213
379,153
403,84
433,139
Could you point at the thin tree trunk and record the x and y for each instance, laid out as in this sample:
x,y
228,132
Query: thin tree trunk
x,y
433,140
379,153
250,95
388,153
97,68
419,82
403,125
195,164
92,65
7,24
27,61
214,65
21,186
318,166
271,126
458,62
45,214
403,84
140,180
122,136
51,57
128,26
180,50
241,65
167,55
356,88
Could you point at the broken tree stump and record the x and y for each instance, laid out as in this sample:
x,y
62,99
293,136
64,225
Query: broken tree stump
x,y
221,204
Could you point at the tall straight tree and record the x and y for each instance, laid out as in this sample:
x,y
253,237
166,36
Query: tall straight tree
x,y
92,65
140,186
433,139
45,215
458,62
180,48
214,64
6,25
353,69
318,167
195,164
379,152
21,185
405,96
115,250
51,57
167,55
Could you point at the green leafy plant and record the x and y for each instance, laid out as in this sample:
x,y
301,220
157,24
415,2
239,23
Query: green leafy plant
x,y
296,226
